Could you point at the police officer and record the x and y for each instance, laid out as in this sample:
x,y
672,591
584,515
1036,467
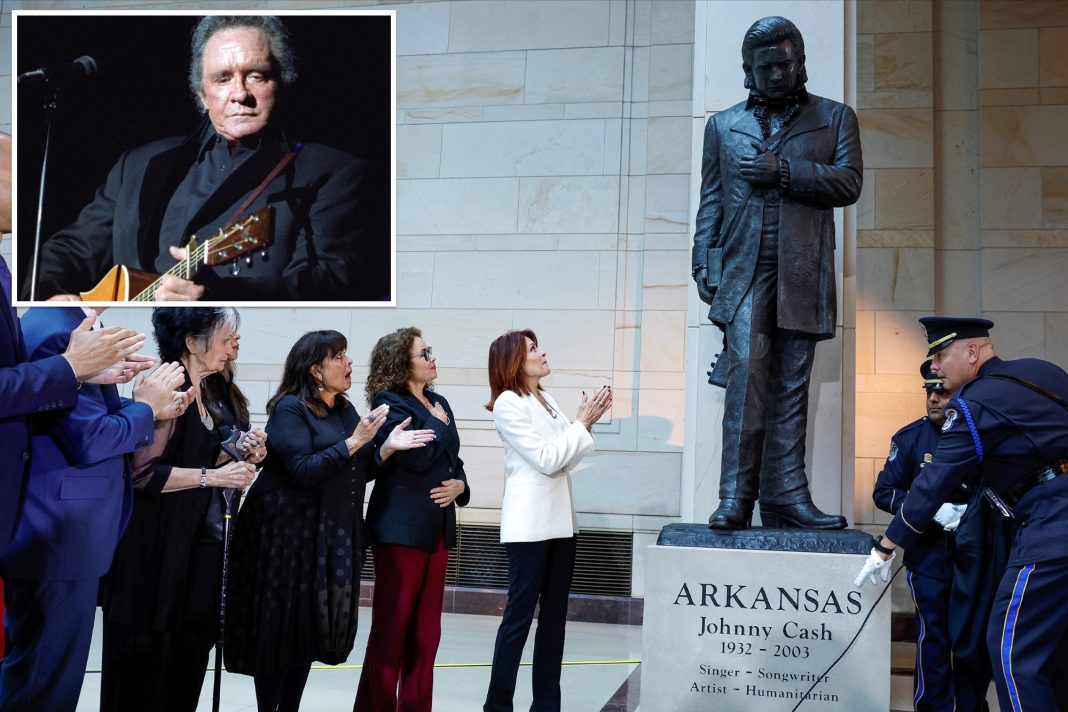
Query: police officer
x,y
929,560
1008,424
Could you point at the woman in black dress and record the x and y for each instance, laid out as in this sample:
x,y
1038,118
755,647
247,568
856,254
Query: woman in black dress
x,y
294,584
161,597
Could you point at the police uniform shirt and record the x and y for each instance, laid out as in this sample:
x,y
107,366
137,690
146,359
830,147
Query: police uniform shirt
x,y
911,450
1003,432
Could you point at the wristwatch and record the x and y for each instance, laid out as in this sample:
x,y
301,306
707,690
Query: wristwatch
x,y
877,544
695,270
203,477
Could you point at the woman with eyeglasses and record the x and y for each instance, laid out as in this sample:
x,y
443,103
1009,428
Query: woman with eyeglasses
x,y
411,521
294,587
538,524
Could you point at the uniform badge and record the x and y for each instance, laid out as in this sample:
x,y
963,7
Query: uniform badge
x,y
893,452
927,457
951,417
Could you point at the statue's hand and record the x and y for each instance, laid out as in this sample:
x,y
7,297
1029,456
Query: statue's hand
x,y
706,293
761,169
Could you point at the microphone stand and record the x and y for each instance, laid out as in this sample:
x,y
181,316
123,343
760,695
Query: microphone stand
x,y
50,111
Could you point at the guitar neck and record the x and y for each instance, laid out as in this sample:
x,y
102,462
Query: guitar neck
x,y
184,269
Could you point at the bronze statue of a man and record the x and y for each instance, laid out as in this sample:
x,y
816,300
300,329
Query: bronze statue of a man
x,y
774,168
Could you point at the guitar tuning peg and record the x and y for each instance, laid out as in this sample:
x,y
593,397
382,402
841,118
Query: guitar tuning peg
x,y
263,253
235,268
248,260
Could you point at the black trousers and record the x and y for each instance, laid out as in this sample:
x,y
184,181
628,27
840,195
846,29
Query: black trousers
x,y
163,671
766,403
538,572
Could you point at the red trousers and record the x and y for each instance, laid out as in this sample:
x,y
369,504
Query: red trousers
x,y
398,669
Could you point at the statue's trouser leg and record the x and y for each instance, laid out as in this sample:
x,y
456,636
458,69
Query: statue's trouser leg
x,y
782,479
749,350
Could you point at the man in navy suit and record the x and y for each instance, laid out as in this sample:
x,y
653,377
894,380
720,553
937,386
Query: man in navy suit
x,y
78,498
104,355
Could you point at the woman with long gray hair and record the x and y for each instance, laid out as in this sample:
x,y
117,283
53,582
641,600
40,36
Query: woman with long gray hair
x,y
161,597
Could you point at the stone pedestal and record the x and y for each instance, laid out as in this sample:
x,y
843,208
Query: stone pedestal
x,y
755,621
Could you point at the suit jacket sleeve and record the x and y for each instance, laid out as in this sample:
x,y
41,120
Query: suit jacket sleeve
x,y
37,386
421,459
289,432
838,183
515,425
89,433
710,207
892,483
78,256
955,461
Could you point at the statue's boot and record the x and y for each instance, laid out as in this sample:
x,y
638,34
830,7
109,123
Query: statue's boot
x,y
718,375
732,514
803,515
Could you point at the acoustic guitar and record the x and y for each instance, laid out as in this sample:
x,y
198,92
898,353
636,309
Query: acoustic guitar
x,y
123,284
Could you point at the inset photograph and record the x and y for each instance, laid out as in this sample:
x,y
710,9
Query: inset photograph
x,y
230,160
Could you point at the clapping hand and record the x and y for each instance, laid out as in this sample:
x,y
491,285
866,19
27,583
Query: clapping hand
x,y
157,390
124,370
591,409
401,439
179,402
367,427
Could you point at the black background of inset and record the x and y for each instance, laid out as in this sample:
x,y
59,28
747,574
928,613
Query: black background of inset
x,y
140,94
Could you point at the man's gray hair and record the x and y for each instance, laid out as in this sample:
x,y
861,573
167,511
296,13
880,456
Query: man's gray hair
x,y
282,55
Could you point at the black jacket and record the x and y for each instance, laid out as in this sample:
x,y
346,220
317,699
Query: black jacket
x,y
319,247
401,511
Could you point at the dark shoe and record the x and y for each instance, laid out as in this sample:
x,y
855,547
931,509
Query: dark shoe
x,y
718,375
732,514
803,515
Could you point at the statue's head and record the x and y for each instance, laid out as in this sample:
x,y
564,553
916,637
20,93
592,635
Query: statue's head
x,y
773,58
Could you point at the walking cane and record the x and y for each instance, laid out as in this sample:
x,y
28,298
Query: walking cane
x,y
229,446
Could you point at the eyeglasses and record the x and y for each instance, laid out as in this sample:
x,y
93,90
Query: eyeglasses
x,y
425,354
341,355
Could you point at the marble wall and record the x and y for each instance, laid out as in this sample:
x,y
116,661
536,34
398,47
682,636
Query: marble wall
x,y
965,194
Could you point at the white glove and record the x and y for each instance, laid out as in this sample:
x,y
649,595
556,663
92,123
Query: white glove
x,y
948,515
874,565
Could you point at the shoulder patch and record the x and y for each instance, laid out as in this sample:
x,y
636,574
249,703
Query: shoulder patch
x,y
951,417
893,452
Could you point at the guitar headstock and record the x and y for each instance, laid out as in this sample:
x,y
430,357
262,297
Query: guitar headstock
x,y
244,236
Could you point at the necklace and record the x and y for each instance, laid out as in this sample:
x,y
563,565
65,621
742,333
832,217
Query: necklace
x,y
545,404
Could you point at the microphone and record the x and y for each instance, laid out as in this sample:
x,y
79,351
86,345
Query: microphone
x,y
81,69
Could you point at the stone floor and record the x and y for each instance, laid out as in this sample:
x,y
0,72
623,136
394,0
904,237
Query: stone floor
x,y
598,660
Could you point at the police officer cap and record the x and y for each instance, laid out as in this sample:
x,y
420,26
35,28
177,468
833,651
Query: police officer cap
x,y
944,330
931,381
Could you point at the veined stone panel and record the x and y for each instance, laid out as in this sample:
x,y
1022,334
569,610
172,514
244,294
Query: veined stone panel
x,y
419,150
516,280
894,278
569,204
422,27
1023,136
457,206
1011,197
492,25
628,483
460,79
1025,280
1008,58
551,75
524,148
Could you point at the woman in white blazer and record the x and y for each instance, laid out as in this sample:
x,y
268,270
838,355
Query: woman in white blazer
x,y
538,524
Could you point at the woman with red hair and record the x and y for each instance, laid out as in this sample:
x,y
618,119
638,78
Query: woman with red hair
x,y
538,524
